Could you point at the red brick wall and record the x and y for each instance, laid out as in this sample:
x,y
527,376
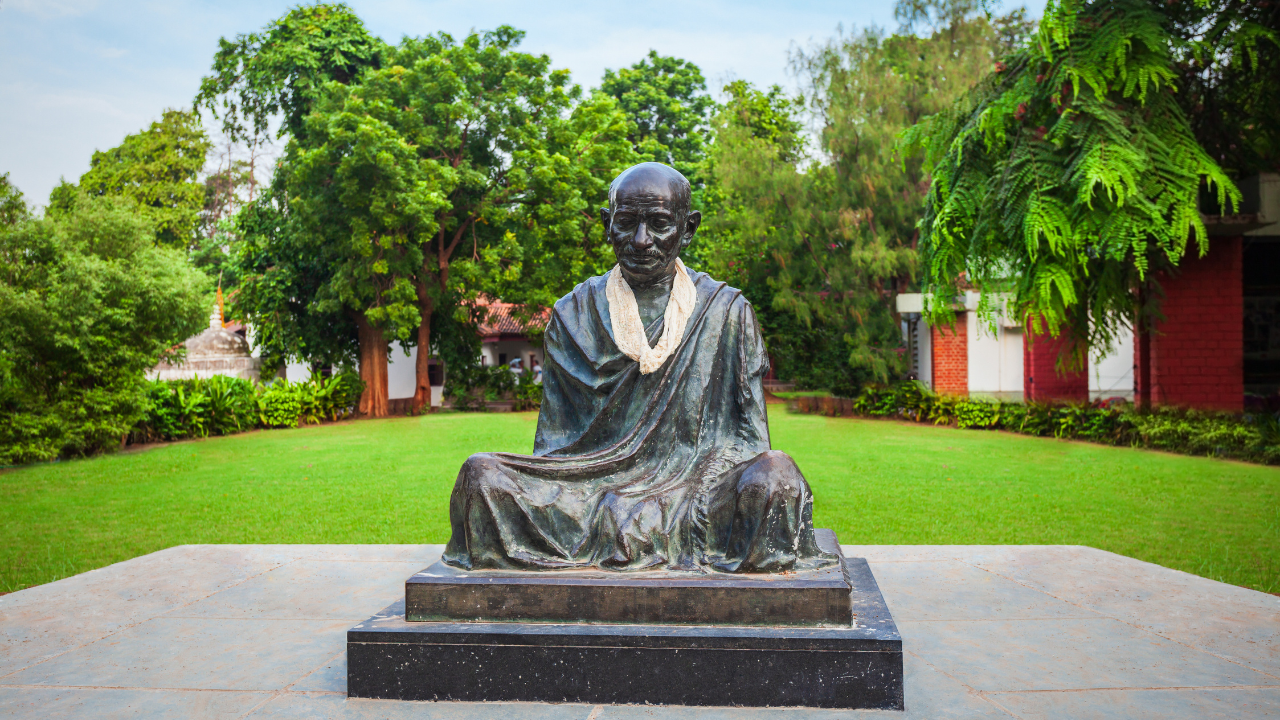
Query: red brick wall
x,y
1197,353
951,358
1040,379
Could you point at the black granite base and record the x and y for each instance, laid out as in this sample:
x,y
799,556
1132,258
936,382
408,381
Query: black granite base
x,y
855,666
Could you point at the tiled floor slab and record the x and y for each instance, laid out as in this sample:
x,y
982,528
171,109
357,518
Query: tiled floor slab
x,y
931,694
197,653
953,590
992,655
426,554
915,553
1234,622
1211,704
310,590
34,622
329,677
122,704
293,706
211,616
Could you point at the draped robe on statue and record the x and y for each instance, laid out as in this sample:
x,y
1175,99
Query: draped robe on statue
x,y
669,470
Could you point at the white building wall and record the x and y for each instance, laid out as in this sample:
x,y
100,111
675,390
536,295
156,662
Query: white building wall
x,y
402,375
297,372
1011,363
1111,371
985,357
924,336
995,354
492,352
995,359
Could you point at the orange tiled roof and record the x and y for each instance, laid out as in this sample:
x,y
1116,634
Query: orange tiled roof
x,y
501,318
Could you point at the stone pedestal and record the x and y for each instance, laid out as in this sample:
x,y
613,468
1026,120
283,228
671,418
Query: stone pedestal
x,y
821,638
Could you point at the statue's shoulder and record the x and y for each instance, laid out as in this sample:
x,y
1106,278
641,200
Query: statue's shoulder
x,y
581,298
724,294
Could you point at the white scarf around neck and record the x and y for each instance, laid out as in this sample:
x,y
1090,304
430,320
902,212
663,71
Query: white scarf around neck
x,y
628,329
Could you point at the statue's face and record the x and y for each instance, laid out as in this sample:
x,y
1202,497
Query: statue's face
x,y
648,225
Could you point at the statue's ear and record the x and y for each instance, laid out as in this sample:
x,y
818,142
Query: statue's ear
x,y
604,219
691,224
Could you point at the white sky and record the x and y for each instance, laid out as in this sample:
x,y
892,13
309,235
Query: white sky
x,y
78,75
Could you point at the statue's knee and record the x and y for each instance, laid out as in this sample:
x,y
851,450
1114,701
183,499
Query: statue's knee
x,y
777,461
478,472
772,473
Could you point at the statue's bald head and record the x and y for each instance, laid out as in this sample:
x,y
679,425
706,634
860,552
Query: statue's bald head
x,y
649,221
653,178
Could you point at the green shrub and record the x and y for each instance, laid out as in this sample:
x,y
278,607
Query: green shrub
x,y
945,409
472,388
87,305
914,400
182,410
27,437
179,409
280,404
977,414
328,398
232,404
1205,433
910,400
1254,438
527,393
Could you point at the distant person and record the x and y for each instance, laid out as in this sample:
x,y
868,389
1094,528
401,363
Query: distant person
x,y
516,366
537,371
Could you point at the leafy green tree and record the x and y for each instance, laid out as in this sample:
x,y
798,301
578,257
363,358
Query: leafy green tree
x,y
226,190
280,273
158,168
13,209
951,16
279,73
62,197
88,304
821,242
934,14
282,70
451,142
781,235
1070,174
1227,58
757,200
224,193
666,99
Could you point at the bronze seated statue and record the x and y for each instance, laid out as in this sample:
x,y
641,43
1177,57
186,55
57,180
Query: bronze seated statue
x,y
652,449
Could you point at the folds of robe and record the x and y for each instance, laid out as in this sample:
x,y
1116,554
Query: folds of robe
x,y
669,470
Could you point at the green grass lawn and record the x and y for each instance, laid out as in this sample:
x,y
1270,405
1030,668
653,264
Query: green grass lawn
x,y
388,481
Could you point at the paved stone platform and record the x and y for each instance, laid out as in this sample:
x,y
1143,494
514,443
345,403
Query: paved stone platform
x,y
231,631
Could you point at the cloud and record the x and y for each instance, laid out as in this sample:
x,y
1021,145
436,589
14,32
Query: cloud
x,y
49,9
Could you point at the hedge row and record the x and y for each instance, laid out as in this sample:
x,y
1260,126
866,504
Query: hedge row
x,y
178,409
1254,438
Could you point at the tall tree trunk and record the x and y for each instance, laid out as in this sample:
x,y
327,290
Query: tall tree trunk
x,y
373,369
422,394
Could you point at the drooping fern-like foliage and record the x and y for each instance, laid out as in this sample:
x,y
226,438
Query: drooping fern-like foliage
x,y
1069,175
